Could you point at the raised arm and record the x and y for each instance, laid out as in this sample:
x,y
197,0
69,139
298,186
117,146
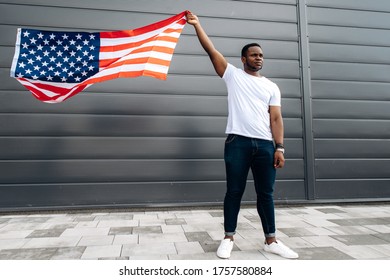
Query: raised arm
x,y
217,59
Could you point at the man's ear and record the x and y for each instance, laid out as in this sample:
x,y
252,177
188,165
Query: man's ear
x,y
243,59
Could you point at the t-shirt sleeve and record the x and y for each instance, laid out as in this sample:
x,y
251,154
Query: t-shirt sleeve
x,y
228,72
276,97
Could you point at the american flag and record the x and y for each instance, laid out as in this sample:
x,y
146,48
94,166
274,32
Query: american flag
x,y
54,65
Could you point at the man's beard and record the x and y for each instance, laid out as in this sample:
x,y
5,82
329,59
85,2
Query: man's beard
x,y
254,68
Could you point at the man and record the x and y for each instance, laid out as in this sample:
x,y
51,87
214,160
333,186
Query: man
x,y
254,123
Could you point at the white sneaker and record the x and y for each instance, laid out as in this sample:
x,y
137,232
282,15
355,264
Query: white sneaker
x,y
280,249
225,248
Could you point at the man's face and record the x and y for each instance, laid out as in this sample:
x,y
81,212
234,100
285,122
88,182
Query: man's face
x,y
253,61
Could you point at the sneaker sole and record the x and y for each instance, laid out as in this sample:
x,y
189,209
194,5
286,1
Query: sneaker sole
x,y
286,257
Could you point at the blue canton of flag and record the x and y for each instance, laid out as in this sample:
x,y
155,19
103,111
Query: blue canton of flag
x,y
65,57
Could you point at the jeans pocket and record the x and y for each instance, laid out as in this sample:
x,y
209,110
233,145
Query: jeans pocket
x,y
230,138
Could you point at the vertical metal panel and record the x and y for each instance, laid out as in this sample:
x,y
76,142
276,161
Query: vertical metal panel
x,y
350,88
307,107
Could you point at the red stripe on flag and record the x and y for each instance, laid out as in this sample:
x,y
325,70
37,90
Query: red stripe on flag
x,y
141,60
132,74
104,63
120,47
145,29
39,88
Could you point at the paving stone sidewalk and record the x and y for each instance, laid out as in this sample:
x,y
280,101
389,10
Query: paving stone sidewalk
x,y
325,232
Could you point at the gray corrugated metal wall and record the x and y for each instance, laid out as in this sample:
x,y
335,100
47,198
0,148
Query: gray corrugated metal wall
x,y
350,71
148,142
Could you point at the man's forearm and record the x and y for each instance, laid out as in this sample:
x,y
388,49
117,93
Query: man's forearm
x,y
204,39
277,130
217,59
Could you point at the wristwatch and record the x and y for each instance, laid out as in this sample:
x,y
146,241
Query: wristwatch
x,y
279,147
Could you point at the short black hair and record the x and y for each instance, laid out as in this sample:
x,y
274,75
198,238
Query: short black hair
x,y
246,47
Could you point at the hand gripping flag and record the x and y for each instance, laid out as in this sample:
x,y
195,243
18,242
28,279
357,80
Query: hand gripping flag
x,y
54,66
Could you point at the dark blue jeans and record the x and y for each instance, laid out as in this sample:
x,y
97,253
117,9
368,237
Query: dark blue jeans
x,y
241,154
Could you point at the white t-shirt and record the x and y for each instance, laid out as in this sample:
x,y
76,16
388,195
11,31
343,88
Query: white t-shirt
x,y
249,98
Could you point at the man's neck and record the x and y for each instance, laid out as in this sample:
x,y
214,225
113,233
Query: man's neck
x,y
253,73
